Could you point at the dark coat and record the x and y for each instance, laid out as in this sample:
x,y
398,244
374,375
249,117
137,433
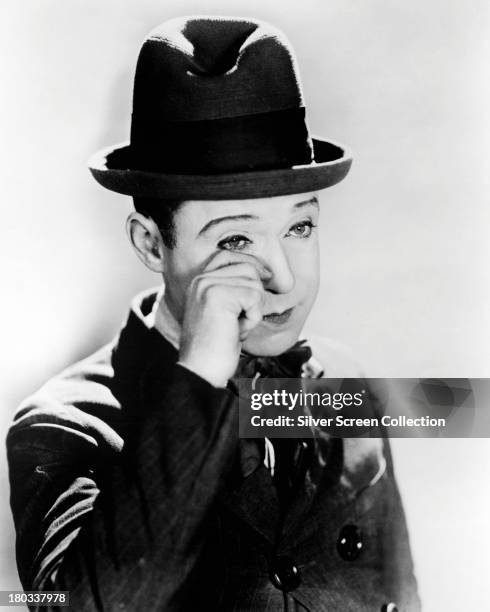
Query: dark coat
x,y
126,491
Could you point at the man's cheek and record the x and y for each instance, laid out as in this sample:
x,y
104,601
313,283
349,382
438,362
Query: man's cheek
x,y
305,262
307,282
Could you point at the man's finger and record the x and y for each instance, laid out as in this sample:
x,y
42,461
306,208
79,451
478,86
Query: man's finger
x,y
202,284
250,319
224,259
242,269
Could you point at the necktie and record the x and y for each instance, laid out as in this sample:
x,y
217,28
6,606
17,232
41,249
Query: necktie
x,y
292,456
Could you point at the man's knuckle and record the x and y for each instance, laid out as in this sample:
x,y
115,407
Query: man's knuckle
x,y
213,293
196,283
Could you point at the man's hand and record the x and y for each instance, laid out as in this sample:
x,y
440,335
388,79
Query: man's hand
x,y
223,305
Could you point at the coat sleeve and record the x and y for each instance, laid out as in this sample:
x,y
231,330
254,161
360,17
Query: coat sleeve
x,y
117,524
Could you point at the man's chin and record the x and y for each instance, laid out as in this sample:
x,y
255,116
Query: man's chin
x,y
265,344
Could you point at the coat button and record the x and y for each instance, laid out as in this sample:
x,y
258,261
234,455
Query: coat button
x,y
389,607
284,574
349,544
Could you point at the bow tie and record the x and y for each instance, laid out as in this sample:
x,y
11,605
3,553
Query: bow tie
x,y
291,457
286,365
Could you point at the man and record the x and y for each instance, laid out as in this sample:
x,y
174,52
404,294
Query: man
x,y
130,486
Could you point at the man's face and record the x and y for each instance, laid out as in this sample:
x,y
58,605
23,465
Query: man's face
x,y
279,233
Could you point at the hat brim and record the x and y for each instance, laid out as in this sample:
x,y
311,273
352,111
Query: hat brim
x,y
111,168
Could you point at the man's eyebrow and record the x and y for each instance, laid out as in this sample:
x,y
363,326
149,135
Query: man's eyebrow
x,y
313,201
214,222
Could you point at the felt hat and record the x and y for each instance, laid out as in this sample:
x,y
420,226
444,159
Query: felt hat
x,y
218,113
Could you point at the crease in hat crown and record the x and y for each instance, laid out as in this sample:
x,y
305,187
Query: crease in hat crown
x,y
218,112
209,58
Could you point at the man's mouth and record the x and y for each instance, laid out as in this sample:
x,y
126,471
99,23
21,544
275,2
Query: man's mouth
x,y
278,318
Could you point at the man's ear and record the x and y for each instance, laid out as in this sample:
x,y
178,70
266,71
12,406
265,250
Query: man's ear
x,y
145,237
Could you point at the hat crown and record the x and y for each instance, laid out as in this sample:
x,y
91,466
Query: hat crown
x,y
215,95
215,44
202,68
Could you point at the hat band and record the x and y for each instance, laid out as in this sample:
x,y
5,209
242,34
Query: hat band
x,y
262,141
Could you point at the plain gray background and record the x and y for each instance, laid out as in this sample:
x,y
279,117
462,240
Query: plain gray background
x,y
405,238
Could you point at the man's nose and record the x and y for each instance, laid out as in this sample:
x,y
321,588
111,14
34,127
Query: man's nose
x,y
281,278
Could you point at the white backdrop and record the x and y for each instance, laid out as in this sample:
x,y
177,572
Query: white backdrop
x,y
405,238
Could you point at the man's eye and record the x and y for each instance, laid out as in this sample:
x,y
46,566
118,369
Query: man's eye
x,y
233,243
302,230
